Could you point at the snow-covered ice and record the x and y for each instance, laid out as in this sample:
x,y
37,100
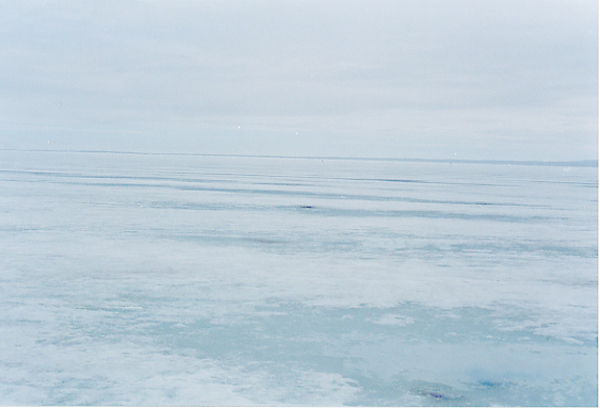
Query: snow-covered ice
x,y
149,279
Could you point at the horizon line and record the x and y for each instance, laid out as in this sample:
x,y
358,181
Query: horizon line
x,y
568,163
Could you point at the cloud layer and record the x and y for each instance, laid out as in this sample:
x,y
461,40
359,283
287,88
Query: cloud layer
x,y
506,80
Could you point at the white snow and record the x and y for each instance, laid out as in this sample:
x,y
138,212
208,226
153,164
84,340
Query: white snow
x,y
197,280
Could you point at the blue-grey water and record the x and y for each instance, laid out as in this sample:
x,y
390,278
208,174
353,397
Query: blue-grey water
x,y
147,279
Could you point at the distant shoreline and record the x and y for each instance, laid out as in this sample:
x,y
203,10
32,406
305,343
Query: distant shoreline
x,y
570,163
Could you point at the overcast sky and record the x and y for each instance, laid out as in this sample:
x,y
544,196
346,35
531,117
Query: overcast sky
x,y
466,79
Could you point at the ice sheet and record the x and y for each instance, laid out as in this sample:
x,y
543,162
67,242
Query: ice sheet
x,y
202,280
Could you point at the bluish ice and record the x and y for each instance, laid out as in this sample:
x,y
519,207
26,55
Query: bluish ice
x,y
155,279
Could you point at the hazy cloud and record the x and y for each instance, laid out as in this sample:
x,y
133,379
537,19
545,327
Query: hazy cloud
x,y
502,79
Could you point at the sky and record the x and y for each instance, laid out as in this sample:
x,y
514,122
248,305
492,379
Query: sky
x,y
434,79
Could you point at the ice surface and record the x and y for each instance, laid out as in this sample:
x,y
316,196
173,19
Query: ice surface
x,y
197,280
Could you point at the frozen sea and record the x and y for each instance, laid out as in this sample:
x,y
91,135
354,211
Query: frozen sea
x,y
156,279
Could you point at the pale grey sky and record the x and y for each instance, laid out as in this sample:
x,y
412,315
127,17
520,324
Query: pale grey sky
x,y
467,79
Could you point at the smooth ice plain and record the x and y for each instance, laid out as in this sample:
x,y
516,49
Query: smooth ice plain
x,y
148,279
